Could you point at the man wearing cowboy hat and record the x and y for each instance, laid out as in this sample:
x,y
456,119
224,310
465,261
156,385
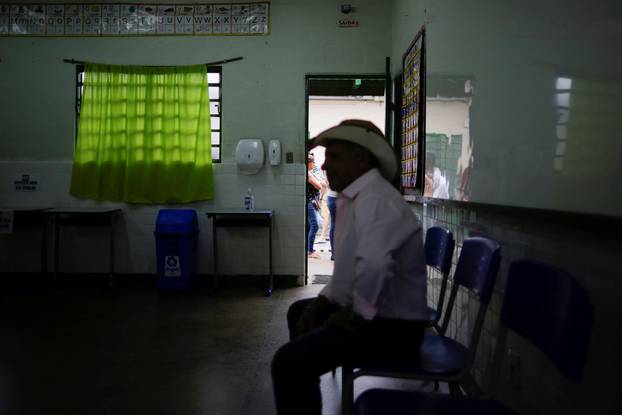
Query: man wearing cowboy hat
x,y
374,307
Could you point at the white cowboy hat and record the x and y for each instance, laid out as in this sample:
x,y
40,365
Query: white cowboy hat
x,y
367,135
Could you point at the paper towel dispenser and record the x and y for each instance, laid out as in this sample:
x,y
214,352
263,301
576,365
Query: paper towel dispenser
x,y
274,151
249,155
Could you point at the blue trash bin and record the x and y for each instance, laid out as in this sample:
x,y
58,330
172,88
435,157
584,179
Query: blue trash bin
x,y
176,236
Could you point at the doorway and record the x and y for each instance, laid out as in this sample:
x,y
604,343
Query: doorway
x,y
329,100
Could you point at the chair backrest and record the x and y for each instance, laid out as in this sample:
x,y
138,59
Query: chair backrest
x,y
548,307
477,266
476,271
439,249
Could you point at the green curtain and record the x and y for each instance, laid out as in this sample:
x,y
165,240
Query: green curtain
x,y
144,135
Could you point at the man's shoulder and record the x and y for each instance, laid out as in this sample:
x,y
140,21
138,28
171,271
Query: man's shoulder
x,y
383,189
384,194
388,208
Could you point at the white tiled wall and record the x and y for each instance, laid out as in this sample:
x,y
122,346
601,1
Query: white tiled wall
x,y
241,251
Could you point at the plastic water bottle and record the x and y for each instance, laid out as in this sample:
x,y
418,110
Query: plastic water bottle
x,y
249,200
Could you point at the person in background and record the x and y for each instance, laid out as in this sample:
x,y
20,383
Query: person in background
x,y
313,206
331,203
374,307
324,213
464,190
436,185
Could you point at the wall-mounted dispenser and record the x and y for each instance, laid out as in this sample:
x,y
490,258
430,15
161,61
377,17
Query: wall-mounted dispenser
x,y
274,152
249,155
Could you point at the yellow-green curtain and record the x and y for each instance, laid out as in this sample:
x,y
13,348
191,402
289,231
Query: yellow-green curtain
x,y
144,135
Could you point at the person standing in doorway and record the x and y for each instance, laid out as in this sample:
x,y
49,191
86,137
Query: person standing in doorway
x,y
374,308
313,206
331,203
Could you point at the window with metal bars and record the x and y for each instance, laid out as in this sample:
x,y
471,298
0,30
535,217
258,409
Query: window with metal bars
x,y
214,85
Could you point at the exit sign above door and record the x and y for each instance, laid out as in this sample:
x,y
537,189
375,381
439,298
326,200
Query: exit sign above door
x,y
347,23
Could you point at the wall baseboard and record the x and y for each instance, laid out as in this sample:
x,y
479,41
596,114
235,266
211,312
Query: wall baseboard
x,y
34,279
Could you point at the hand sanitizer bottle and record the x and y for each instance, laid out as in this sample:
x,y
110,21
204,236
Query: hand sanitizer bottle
x,y
249,200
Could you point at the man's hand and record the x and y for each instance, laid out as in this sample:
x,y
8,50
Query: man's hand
x,y
311,317
346,319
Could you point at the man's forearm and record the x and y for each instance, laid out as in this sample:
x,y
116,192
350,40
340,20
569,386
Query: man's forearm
x,y
311,317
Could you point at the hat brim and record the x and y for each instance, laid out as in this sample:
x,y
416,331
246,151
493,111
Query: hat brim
x,y
375,143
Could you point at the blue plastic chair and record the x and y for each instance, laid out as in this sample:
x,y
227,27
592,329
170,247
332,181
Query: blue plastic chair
x,y
441,358
548,307
439,250
545,305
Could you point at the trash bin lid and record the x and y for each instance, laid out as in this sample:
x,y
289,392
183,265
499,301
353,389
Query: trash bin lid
x,y
177,221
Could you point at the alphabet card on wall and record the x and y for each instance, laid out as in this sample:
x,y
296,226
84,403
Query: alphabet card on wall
x,y
258,17
239,18
147,19
5,16
36,18
73,19
55,19
128,19
203,19
165,19
19,19
222,19
110,19
103,19
92,19
184,23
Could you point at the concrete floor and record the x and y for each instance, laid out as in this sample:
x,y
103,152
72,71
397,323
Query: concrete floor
x,y
321,267
77,348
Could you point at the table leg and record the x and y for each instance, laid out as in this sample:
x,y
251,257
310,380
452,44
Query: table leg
x,y
111,250
271,281
44,251
56,230
215,253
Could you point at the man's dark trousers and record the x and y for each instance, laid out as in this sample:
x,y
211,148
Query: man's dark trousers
x,y
298,365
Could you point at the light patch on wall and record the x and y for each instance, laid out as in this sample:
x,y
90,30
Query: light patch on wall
x,y
563,83
563,99
563,116
563,86
562,132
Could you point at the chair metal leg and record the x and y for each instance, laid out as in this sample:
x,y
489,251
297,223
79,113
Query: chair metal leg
x,y
347,390
454,389
111,280
214,255
57,227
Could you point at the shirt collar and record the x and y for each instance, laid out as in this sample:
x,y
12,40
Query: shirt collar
x,y
360,183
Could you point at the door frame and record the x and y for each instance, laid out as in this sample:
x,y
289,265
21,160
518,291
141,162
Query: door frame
x,y
388,124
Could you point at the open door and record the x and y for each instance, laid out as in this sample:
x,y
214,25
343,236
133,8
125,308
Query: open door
x,y
329,100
